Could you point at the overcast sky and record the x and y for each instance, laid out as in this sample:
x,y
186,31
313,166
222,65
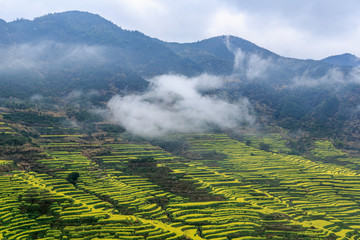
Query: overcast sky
x,y
292,28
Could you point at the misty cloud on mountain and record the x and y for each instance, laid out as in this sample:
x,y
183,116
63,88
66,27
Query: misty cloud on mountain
x,y
334,78
176,104
47,54
355,75
249,65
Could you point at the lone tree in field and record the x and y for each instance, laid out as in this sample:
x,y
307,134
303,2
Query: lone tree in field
x,y
73,177
146,161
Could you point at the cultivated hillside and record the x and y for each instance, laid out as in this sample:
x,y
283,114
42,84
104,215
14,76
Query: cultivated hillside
x,y
54,55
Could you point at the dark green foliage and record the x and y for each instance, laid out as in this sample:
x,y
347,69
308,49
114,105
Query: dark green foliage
x,y
294,109
112,129
299,146
338,143
73,177
84,116
328,108
142,162
36,202
57,130
12,140
332,236
160,201
275,216
169,181
173,144
15,103
264,146
32,118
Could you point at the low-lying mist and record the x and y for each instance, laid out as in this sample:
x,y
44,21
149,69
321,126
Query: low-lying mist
x,y
47,55
248,65
178,104
334,77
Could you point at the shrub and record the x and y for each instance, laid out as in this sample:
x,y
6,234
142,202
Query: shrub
x,y
73,177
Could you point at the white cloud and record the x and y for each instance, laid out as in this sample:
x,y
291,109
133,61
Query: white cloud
x,y
354,75
334,77
257,67
228,23
142,7
250,65
174,104
31,56
36,98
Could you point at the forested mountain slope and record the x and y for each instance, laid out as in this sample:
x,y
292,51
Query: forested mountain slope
x,y
58,53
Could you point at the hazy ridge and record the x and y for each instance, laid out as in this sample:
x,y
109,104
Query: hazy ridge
x,y
57,54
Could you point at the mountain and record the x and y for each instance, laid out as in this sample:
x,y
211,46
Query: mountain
x,y
216,55
59,53
131,49
226,55
345,59
136,52
79,50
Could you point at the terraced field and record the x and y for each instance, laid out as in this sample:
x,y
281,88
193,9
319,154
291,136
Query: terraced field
x,y
5,128
219,188
306,193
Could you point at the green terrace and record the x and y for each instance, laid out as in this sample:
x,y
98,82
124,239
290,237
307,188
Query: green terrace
x,y
291,185
5,162
325,151
121,153
76,214
5,127
270,142
219,188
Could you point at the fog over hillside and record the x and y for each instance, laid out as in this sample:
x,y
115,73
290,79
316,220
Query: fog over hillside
x,y
143,81
177,104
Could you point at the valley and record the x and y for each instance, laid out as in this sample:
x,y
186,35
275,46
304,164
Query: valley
x,y
107,133
217,188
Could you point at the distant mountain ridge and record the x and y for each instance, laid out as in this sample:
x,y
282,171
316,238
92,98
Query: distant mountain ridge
x,y
85,28
56,54
345,59
137,51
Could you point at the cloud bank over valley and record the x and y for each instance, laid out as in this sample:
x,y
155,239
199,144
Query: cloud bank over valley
x,y
179,104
